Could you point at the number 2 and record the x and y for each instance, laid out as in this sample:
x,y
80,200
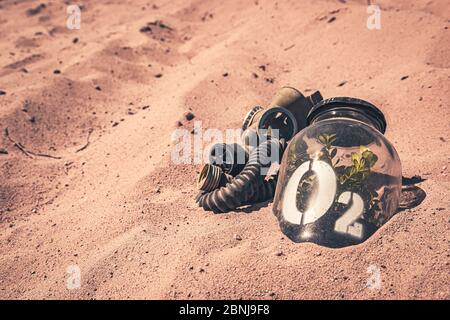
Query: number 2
x,y
345,224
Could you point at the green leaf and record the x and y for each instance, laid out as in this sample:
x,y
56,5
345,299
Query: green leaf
x,y
355,158
323,138
331,138
333,153
362,164
373,160
370,157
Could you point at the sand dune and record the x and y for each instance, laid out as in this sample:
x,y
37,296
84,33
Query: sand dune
x,y
123,212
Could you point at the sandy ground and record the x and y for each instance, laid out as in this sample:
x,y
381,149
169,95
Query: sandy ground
x,y
123,213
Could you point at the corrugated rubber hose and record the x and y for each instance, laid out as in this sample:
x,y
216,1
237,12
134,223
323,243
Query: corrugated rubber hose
x,y
249,186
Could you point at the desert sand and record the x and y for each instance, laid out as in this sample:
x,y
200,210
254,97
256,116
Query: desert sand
x,y
121,211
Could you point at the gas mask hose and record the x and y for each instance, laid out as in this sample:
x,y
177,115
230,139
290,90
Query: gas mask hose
x,y
250,185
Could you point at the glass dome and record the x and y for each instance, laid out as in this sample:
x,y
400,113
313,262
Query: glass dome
x,y
340,178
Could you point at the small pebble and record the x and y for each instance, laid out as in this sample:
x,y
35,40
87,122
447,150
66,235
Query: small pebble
x,y
189,116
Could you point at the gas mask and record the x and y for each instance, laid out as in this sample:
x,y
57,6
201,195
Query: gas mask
x,y
340,178
238,175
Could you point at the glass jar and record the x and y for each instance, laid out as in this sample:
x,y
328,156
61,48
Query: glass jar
x,y
340,178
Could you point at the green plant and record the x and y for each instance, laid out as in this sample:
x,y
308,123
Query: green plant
x,y
352,178
328,152
362,162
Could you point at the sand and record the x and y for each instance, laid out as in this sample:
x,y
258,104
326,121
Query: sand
x,y
123,213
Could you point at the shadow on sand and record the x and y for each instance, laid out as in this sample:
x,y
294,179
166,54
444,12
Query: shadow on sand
x,y
411,195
